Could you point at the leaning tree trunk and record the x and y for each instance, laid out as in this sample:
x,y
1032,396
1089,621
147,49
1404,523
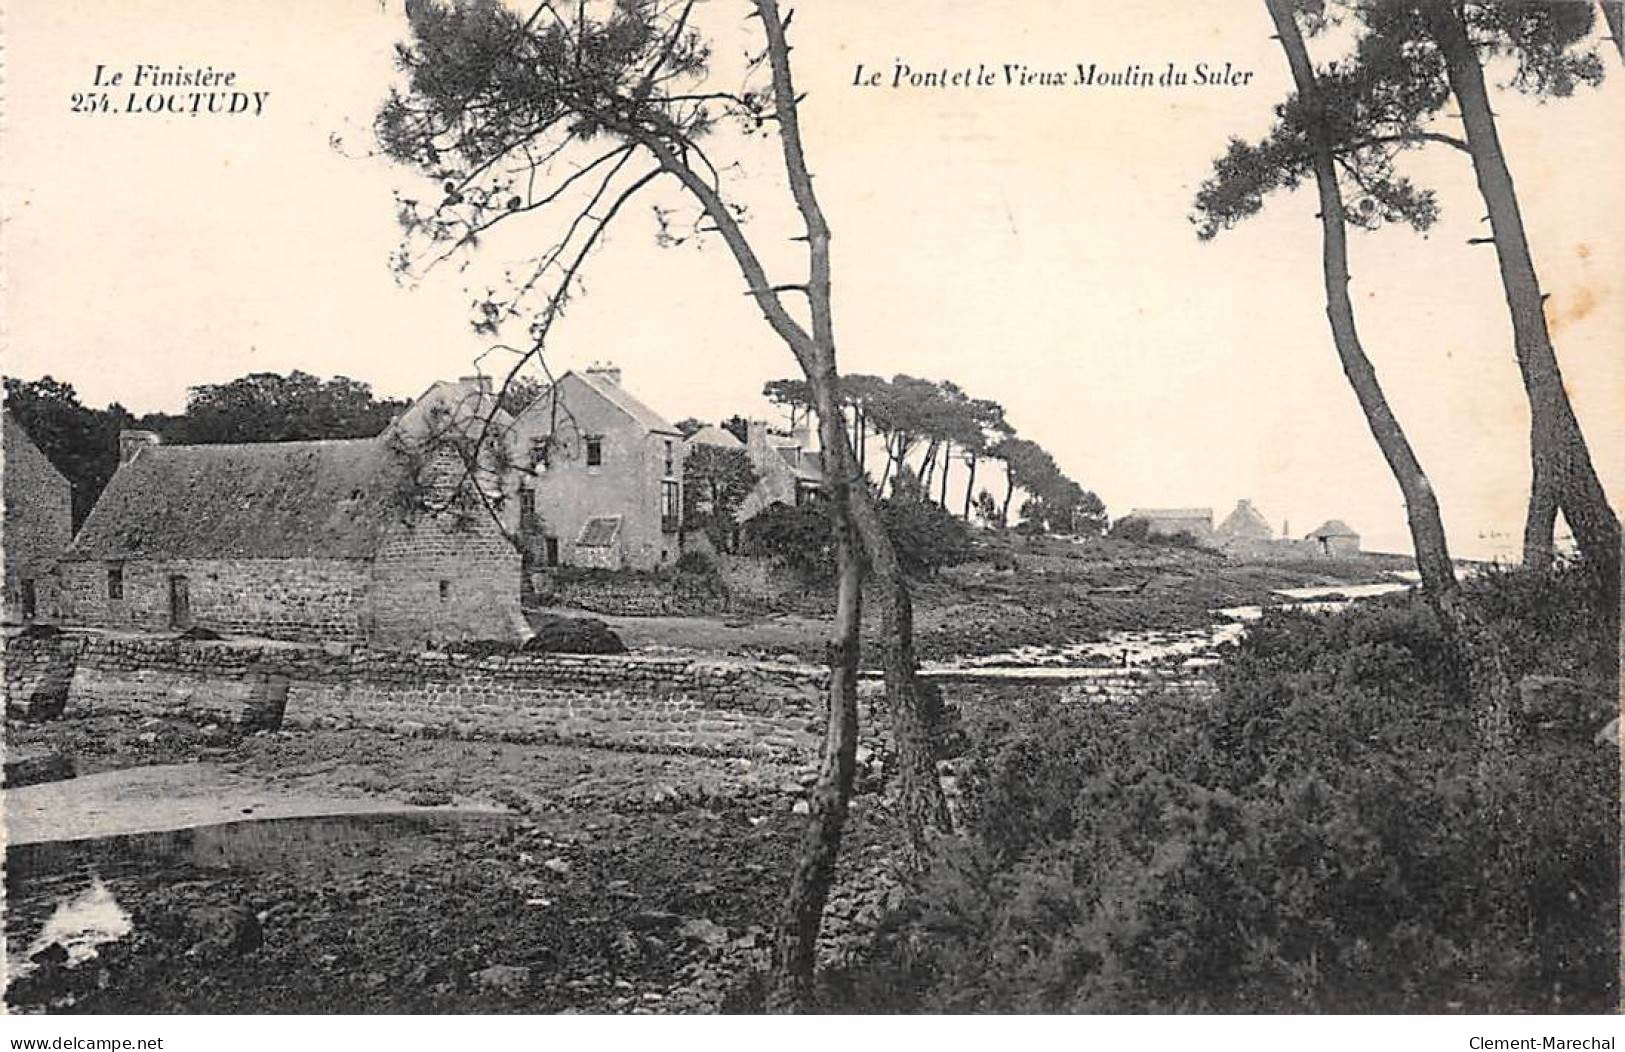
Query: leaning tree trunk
x,y
1009,492
1474,641
970,483
1421,506
803,910
1558,449
923,806
942,490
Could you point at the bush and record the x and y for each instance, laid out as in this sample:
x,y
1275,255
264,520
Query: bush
x,y
925,535
799,537
1325,836
695,563
554,635
572,635
1130,528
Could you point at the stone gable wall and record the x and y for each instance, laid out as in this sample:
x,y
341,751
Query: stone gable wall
x,y
435,581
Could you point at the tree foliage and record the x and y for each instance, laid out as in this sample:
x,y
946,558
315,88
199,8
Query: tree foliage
x,y
270,407
715,482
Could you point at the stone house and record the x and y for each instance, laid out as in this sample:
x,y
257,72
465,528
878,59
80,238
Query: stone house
x,y
1245,531
341,540
1334,537
598,476
37,526
1171,522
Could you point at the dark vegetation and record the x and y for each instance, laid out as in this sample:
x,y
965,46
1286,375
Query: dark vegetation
x,y
926,537
1328,836
553,635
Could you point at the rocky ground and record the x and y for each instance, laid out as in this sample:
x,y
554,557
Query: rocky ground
x,y
1027,591
620,882
623,882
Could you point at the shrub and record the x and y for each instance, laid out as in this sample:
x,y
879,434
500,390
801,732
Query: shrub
x,y
695,563
926,536
554,635
572,635
1326,835
799,537
1130,528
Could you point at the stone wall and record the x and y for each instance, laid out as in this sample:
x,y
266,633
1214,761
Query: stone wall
x,y
306,599
627,593
656,704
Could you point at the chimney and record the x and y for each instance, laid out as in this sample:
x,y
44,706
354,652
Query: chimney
x,y
756,444
477,385
131,443
610,372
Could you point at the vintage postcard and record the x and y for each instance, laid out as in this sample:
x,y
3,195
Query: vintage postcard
x,y
740,506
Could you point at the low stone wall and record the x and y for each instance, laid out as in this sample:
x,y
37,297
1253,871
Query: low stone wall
x,y
625,594
639,702
663,704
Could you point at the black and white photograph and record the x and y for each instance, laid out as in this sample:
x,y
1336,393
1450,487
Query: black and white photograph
x,y
809,507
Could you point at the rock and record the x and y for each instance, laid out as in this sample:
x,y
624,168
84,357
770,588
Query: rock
x,y
704,930
147,738
33,766
55,953
223,931
556,865
1609,735
800,807
510,980
1556,701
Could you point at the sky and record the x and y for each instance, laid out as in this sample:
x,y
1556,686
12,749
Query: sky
x,y
1030,243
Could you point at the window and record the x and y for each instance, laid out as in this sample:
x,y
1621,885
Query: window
x,y
527,509
115,581
445,590
595,452
670,506
538,453
669,458
30,599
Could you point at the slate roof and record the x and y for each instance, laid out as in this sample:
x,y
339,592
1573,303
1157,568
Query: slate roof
x,y
807,466
467,407
623,400
1171,513
262,500
599,532
712,435
1334,528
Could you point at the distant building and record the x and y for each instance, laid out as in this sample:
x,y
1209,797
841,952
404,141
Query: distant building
x,y
1244,531
344,540
37,527
599,476
1171,522
1334,538
791,469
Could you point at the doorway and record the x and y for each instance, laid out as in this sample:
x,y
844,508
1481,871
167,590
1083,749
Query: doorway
x,y
180,602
